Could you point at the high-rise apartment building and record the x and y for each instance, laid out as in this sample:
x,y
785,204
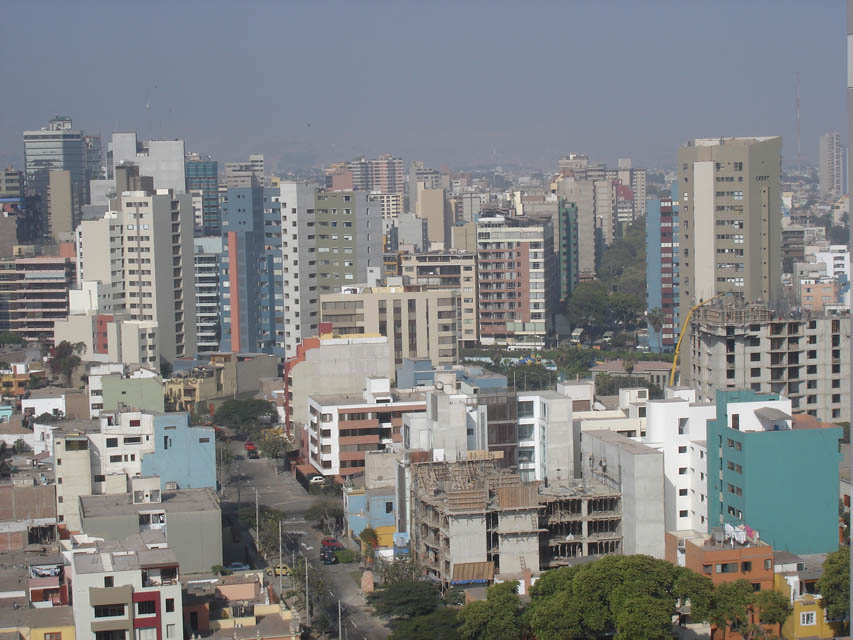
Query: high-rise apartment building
x,y
448,270
581,193
383,174
566,247
251,274
34,295
162,160
203,175
329,240
143,253
429,178
56,147
243,175
662,271
518,280
11,183
832,171
730,219
207,258
418,323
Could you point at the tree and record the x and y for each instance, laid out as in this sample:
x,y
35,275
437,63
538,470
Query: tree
x,y
405,599
834,587
655,319
629,362
369,539
588,304
441,624
274,446
731,605
66,358
245,416
401,569
773,608
498,617
166,369
20,447
643,617
329,514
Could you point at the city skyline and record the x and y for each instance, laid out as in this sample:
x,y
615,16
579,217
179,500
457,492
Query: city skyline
x,y
548,91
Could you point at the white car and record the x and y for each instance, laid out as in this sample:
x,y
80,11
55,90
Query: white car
x,y
317,480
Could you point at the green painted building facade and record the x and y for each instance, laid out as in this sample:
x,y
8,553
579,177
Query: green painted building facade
x,y
567,247
780,481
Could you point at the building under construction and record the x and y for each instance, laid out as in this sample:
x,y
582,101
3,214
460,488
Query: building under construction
x,y
473,519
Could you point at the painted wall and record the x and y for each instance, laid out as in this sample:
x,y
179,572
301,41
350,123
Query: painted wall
x,y
184,455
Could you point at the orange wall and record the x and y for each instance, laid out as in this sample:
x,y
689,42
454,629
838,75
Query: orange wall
x,y
697,556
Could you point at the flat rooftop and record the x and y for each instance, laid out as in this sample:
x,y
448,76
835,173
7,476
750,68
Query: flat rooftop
x,y
624,443
181,501
343,399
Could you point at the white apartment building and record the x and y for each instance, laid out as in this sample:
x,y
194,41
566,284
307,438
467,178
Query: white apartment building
x,y
343,426
206,257
831,169
127,589
837,261
148,268
546,437
299,253
677,426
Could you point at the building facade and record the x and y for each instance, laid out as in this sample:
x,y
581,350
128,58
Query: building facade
x,y
832,162
203,175
207,261
662,272
518,283
34,295
730,194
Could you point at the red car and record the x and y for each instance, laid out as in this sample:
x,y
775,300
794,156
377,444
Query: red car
x,y
331,543
250,446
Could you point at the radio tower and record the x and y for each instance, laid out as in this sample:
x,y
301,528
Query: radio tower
x,y
797,107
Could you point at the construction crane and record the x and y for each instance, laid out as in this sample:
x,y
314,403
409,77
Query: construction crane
x,y
681,335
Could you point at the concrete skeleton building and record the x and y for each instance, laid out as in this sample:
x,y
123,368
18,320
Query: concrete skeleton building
x,y
417,322
805,358
729,193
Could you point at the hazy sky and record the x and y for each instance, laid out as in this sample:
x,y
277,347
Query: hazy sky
x,y
452,83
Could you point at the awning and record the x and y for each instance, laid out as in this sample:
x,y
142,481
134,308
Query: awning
x,y
473,573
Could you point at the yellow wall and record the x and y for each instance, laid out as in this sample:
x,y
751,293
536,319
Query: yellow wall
x,y
386,535
804,604
67,632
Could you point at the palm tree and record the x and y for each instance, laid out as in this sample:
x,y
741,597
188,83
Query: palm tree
x,y
654,319
628,362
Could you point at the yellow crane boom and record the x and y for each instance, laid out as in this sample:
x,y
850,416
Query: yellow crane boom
x,y
681,336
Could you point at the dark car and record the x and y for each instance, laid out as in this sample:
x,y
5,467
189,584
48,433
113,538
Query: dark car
x,y
327,556
253,455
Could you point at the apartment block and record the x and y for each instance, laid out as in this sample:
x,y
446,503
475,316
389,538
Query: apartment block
x,y
448,270
202,174
162,160
189,521
760,450
34,295
148,267
383,174
207,257
342,427
417,322
251,276
567,248
804,358
127,589
832,166
518,282
663,272
730,219
335,364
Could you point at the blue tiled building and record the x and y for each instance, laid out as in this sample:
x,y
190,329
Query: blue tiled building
x,y
184,455
203,175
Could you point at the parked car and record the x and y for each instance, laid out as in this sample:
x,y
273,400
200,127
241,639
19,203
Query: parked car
x,y
253,455
238,566
279,570
317,480
327,556
330,542
250,446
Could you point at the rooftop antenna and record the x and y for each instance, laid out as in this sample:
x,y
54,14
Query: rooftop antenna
x,y
797,108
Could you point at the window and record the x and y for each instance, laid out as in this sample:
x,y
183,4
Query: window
x,y
682,449
682,492
112,442
768,564
56,635
170,605
682,471
745,567
389,507
727,567
109,610
108,581
525,409
682,513
170,631
146,608
807,618
115,458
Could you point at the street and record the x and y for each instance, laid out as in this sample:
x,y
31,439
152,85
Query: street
x,y
281,491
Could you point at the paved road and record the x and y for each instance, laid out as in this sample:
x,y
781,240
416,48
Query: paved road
x,y
282,491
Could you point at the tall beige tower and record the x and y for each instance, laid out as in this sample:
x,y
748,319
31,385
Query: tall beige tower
x,y
730,222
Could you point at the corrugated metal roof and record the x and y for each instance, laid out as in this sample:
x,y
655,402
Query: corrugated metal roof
x,y
473,572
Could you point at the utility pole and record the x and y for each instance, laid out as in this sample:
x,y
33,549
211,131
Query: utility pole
x,y
257,516
340,633
279,560
307,608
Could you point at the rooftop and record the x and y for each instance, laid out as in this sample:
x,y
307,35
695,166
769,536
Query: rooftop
x,y
624,443
182,501
31,617
344,399
805,421
642,366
